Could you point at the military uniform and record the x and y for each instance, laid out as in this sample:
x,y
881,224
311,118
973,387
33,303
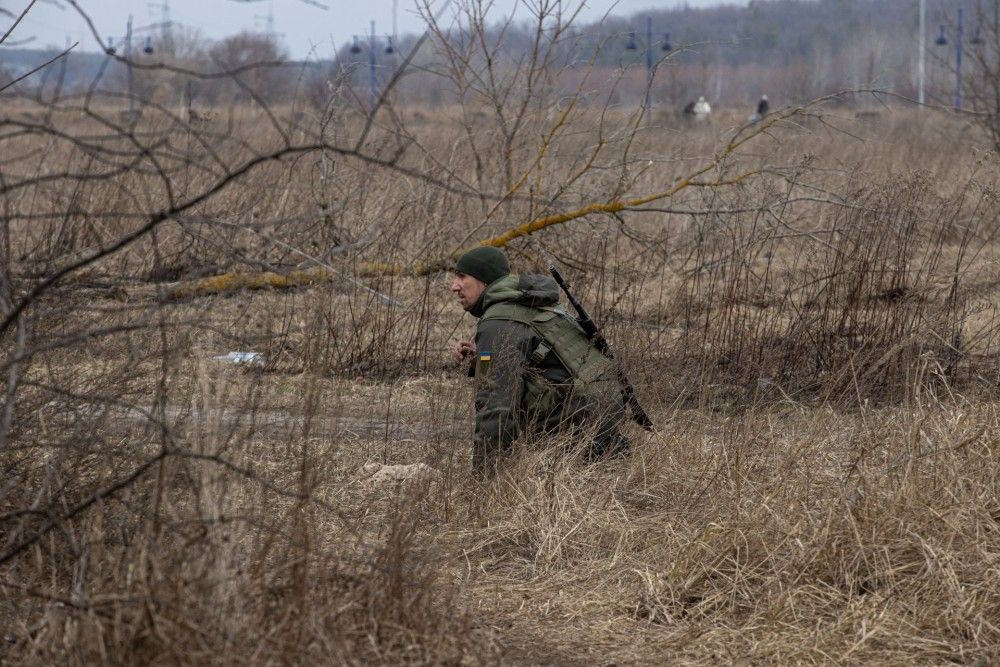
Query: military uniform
x,y
536,373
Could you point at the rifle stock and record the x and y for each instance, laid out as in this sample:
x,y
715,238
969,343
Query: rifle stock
x,y
637,413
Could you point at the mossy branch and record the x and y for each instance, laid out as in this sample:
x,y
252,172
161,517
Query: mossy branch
x,y
371,269
232,281
236,280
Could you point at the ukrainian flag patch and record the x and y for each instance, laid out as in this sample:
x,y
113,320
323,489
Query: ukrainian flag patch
x,y
483,364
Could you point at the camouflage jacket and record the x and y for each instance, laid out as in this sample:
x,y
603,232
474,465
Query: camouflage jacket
x,y
526,383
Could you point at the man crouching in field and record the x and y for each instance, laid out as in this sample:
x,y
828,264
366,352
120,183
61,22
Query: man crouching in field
x,y
536,372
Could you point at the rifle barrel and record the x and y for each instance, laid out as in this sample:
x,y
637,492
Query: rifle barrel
x,y
601,343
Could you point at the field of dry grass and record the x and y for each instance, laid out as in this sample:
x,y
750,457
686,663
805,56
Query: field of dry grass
x,y
810,318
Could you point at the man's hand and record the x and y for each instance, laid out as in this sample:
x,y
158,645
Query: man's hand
x,y
462,351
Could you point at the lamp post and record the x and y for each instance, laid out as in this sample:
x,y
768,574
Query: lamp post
x,y
372,76
128,59
632,45
921,49
942,40
132,112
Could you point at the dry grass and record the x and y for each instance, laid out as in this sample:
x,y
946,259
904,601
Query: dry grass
x,y
785,534
817,346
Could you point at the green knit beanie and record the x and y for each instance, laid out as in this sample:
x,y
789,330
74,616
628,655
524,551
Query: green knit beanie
x,y
485,263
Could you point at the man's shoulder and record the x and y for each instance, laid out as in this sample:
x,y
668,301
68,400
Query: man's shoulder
x,y
516,312
502,327
501,320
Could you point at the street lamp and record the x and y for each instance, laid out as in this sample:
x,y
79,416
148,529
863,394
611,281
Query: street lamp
x,y
632,45
356,49
921,49
132,113
942,40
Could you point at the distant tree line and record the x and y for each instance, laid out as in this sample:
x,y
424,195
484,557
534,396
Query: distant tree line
x,y
792,50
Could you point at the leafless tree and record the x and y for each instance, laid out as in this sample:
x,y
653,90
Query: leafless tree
x,y
158,504
981,79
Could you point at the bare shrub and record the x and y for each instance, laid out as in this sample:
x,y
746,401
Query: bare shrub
x,y
872,303
811,324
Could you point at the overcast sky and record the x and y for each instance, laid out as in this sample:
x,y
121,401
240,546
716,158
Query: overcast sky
x,y
303,25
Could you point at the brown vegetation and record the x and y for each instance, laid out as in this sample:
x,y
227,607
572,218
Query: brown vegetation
x,y
813,330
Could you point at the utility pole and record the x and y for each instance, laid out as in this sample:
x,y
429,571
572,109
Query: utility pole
x,y
269,28
271,32
371,68
633,45
128,60
942,40
958,63
166,36
921,50
649,61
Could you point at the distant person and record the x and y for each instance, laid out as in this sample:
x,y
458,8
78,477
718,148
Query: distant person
x,y
536,371
763,107
702,108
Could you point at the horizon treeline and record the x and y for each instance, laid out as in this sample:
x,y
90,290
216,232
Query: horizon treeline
x,y
791,50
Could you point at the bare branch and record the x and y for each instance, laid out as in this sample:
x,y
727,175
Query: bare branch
x,y
3,38
38,68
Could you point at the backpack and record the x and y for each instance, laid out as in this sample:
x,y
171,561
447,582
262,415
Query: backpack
x,y
562,336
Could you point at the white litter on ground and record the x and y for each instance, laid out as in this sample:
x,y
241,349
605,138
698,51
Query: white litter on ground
x,y
252,358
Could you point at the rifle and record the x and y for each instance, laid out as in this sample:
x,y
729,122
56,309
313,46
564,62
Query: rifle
x,y
601,343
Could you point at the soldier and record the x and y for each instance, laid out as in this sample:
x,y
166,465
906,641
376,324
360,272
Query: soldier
x,y
536,372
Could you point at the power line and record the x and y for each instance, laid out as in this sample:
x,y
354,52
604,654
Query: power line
x,y
268,19
166,24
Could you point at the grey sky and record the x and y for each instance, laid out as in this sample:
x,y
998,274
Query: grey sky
x,y
303,27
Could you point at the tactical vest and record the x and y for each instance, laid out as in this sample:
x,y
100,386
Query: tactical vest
x,y
562,336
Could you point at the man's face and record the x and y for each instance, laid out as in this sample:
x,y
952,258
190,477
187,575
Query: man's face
x,y
467,289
